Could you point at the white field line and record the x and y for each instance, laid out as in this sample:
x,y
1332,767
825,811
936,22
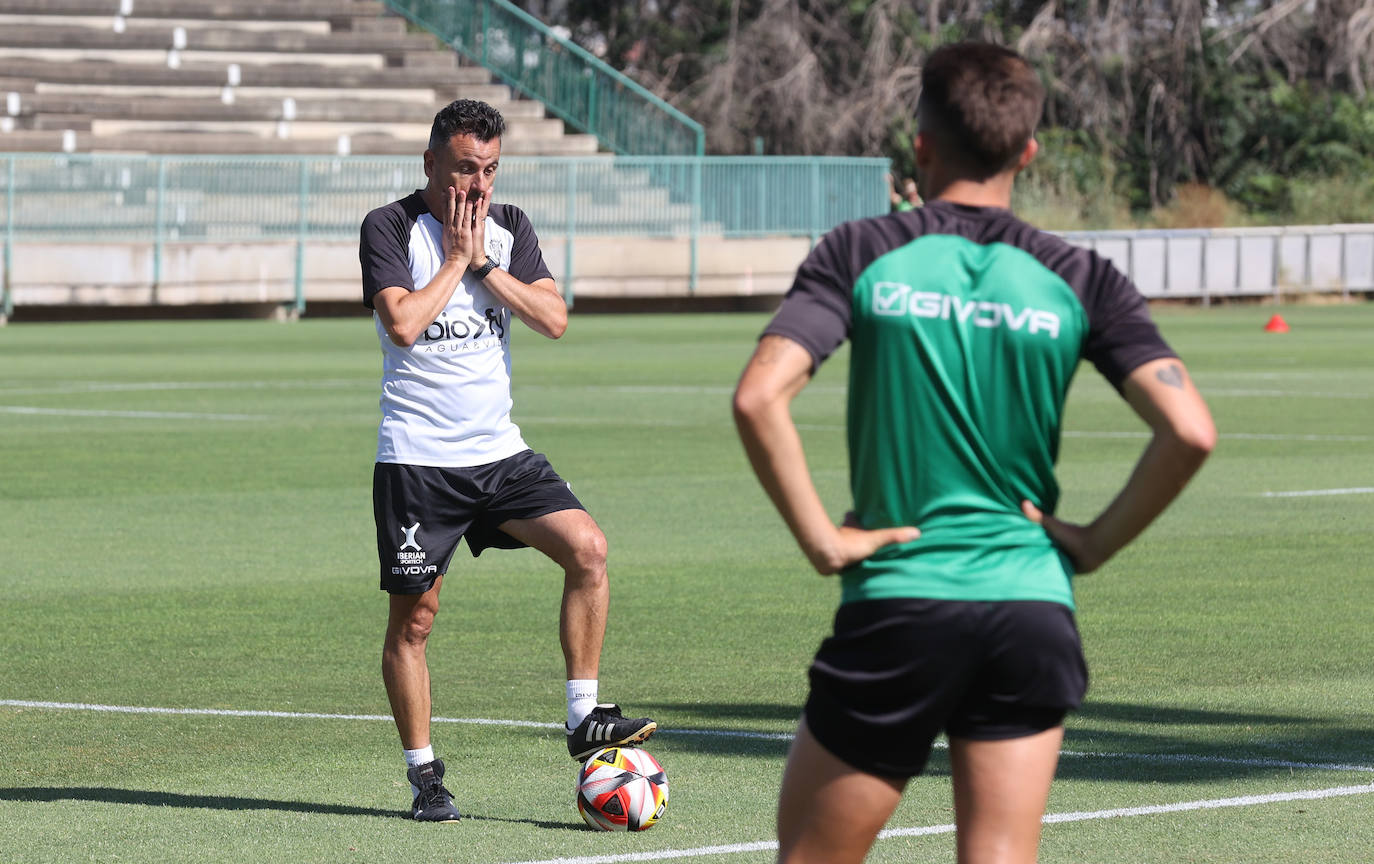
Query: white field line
x,y
1235,436
769,845
670,389
30,410
1276,375
310,715
1141,434
1211,804
1187,758
645,389
1310,493
715,733
598,421
1281,394
152,386
927,830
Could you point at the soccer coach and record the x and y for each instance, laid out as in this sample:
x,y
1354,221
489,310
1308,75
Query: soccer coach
x,y
444,269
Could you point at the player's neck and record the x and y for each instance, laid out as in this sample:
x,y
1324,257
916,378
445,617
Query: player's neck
x,y
993,192
974,194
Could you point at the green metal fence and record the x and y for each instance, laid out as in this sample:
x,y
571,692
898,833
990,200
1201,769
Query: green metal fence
x,y
572,83
170,199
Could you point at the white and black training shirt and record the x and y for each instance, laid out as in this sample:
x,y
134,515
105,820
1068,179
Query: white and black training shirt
x,y
446,399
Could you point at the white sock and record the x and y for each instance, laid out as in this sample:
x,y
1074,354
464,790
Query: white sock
x,y
581,700
418,756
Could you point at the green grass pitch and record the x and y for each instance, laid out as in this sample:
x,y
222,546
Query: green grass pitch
x,y
185,523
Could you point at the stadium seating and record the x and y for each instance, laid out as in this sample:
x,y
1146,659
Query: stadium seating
x,y
238,77
189,81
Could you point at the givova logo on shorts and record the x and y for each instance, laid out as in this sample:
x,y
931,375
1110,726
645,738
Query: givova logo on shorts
x,y
410,558
896,299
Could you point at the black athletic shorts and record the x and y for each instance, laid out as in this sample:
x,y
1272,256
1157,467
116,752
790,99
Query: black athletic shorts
x,y
898,672
422,512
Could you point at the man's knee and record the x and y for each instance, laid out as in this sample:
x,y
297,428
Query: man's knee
x,y
412,626
587,563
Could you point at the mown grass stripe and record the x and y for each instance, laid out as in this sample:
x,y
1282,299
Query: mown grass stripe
x,y
928,830
31,410
720,733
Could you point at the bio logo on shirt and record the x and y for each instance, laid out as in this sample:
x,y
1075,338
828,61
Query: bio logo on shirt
x,y
896,299
467,331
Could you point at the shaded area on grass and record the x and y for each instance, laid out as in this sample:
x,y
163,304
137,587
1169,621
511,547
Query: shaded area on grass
x,y
1111,741
1159,743
699,737
110,795
787,712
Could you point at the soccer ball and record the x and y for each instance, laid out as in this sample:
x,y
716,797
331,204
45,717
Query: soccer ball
x,y
621,789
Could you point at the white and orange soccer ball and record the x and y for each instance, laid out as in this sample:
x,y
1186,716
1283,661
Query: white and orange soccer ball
x,y
621,789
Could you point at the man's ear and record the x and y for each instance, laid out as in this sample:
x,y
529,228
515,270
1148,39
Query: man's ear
x,y
1032,147
429,163
924,148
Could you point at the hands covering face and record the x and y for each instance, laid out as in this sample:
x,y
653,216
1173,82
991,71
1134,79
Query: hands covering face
x,y
465,226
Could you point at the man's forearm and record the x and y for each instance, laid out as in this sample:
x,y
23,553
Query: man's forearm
x,y
1163,395
540,306
774,376
1162,471
406,314
775,451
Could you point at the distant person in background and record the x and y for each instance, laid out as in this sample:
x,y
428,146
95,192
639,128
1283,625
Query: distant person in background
x,y
911,194
897,199
966,326
444,269
909,198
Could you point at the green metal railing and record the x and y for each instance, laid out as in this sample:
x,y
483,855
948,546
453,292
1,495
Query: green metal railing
x,y
162,200
572,83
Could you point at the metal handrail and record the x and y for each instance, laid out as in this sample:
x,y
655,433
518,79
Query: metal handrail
x,y
168,200
573,84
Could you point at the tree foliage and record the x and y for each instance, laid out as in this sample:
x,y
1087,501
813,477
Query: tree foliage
x,y
1257,98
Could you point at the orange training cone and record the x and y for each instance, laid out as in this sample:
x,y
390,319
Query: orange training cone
x,y
1276,325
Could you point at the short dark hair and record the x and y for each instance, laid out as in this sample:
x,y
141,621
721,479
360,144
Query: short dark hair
x,y
466,117
981,103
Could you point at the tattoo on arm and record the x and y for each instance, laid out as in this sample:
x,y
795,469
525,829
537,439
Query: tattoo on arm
x,y
1171,375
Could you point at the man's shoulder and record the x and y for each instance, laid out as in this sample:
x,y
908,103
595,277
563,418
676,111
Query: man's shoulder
x,y
996,225
1080,266
860,242
401,212
508,216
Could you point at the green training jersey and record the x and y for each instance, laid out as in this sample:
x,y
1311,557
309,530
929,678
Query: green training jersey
x,y
966,327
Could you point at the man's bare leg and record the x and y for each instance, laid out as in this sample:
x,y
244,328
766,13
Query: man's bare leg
x,y
828,811
405,670
574,541
1000,792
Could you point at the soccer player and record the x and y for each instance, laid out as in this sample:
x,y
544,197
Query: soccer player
x,y
966,326
444,269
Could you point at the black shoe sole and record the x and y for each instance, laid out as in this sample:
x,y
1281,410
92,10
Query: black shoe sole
x,y
437,821
639,737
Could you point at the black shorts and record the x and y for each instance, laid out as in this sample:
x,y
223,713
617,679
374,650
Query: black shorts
x,y
422,512
898,672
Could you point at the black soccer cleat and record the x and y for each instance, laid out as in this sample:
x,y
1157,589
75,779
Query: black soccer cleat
x,y
435,802
606,727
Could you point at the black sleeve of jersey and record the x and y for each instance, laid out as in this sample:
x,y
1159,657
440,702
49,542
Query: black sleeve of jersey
x,y
383,250
1121,335
526,261
817,311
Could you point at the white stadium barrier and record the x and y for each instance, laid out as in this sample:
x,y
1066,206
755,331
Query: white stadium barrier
x,y
1207,264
